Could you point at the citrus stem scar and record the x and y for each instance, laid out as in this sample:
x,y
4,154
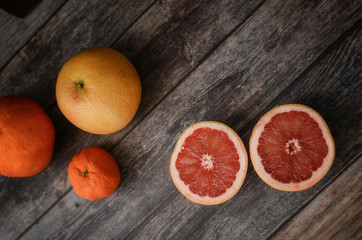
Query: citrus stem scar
x,y
79,84
85,173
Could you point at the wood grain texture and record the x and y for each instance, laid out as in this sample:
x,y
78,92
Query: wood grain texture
x,y
51,184
257,208
335,213
147,205
78,25
33,73
16,32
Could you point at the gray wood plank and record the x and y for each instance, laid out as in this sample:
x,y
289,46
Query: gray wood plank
x,y
257,209
141,205
335,213
16,32
32,197
268,207
78,25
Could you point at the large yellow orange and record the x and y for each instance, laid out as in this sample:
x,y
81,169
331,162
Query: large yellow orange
x,y
98,90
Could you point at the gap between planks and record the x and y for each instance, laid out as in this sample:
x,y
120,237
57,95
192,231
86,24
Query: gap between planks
x,y
332,46
288,89
204,58
200,58
113,41
313,197
16,53
44,213
3,68
311,66
116,40
251,123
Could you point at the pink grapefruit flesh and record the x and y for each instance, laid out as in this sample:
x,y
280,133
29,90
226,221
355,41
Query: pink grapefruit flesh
x,y
291,147
209,163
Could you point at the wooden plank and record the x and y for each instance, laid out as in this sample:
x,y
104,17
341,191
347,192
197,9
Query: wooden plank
x,y
52,183
79,24
15,32
72,28
335,213
257,209
259,215
323,89
212,91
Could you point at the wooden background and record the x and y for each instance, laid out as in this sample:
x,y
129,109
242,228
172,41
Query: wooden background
x,y
224,60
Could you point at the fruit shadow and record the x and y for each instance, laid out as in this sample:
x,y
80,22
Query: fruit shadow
x,y
125,164
19,8
341,118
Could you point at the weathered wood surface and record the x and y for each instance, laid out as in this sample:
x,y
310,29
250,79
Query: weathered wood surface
x,y
257,209
15,32
67,134
77,25
233,71
334,214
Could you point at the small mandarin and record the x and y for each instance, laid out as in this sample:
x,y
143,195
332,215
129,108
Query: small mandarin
x,y
94,173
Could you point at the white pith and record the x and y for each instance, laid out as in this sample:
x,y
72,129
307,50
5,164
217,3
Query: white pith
x,y
240,175
293,142
207,161
316,175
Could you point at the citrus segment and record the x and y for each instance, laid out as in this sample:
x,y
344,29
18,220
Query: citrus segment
x,y
291,147
209,163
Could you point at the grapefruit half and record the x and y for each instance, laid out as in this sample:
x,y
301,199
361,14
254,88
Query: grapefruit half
x,y
209,163
291,147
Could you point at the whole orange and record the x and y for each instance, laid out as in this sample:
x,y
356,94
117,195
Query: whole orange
x,y
94,173
26,137
98,90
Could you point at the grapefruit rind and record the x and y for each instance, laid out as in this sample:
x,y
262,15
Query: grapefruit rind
x,y
316,175
240,175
